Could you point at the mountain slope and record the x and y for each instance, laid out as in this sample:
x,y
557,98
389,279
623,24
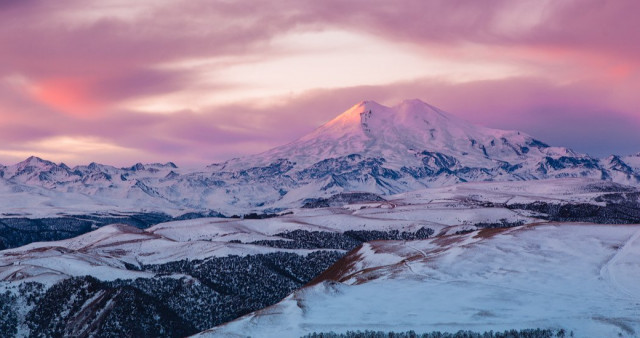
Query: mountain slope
x,y
577,277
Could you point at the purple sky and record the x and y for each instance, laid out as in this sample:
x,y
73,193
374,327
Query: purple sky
x,y
197,82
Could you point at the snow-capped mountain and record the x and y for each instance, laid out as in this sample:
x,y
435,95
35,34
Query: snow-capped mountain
x,y
387,150
369,148
411,134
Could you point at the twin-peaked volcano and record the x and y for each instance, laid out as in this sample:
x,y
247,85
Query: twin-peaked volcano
x,y
411,145
368,148
400,133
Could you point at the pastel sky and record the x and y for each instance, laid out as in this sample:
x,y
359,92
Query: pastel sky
x,y
201,81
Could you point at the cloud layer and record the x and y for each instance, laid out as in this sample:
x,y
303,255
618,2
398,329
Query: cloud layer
x,y
113,82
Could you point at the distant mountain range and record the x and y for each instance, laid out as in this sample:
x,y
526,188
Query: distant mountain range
x,y
368,148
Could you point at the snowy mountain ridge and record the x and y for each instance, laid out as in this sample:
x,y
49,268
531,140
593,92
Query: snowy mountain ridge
x,y
368,148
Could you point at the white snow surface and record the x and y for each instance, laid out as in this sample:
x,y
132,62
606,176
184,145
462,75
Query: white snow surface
x,y
577,277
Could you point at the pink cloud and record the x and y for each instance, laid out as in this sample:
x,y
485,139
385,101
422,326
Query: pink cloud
x,y
599,26
78,70
579,116
78,64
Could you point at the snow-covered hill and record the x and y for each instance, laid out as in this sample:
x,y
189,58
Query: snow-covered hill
x,y
109,252
369,148
581,278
